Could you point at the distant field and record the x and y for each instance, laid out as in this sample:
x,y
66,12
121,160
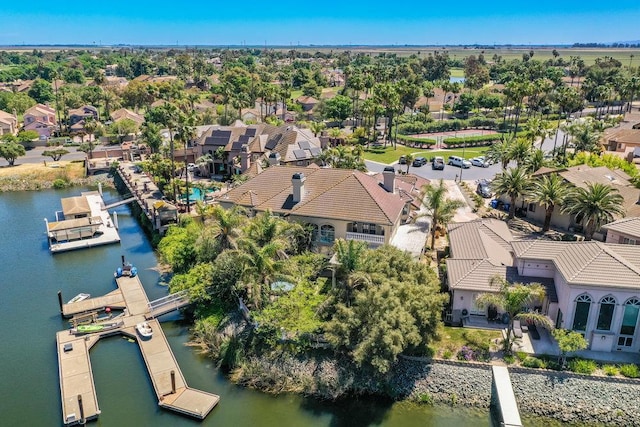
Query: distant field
x,y
589,55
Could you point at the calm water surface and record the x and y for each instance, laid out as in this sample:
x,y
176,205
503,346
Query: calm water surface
x,y
29,313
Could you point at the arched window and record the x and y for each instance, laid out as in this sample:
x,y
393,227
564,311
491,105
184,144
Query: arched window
x,y
327,233
605,316
630,317
581,312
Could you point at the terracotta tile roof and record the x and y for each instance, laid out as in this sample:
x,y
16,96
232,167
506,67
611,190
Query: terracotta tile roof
x,y
625,136
630,226
328,193
587,263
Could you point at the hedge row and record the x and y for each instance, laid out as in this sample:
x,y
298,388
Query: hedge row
x,y
417,141
472,140
448,125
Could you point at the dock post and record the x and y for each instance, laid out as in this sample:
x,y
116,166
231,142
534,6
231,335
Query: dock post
x,y
60,300
122,258
173,382
100,188
82,420
115,220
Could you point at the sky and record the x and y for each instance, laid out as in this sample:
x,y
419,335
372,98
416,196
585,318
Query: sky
x,y
292,23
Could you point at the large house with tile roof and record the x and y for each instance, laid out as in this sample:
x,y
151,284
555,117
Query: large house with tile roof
x,y
40,118
240,148
592,287
337,203
580,176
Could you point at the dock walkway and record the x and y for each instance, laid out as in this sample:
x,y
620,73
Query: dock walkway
x,y
79,400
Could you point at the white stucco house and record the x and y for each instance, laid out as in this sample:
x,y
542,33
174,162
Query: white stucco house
x,y
592,287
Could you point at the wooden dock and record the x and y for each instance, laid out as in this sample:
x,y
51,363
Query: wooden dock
x,y
79,400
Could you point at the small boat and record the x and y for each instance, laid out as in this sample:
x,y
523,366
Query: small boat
x,y
87,329
144,329
79,297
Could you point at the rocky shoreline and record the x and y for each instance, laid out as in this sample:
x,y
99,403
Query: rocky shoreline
x,y
564,397
21,183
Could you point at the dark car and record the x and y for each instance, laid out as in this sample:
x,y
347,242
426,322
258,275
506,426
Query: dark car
x,y
403,160
419,161
438,163
484,188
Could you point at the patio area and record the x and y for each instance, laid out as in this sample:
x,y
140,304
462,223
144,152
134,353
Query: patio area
x,y
545,344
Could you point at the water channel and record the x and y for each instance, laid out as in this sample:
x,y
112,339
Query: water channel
x,y
29,387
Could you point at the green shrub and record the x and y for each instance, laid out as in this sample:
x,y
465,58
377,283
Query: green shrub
x,y
630,370
509,359
534,362
59,184
610,370
521,355
425,398
447,354
583,366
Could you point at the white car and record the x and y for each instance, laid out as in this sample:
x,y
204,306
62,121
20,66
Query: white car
x,y
191,167
480,162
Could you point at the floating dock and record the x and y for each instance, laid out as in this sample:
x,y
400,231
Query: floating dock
x,y
77,389
86,224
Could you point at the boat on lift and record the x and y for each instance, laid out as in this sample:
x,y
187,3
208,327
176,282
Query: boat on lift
x,y
144,329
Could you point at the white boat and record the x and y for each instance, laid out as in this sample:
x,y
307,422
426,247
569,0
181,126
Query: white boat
x,y
144,329
79,297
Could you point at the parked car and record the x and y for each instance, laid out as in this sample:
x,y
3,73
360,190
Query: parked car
x,y
460,162
419,161
402,160
438,163
480,162
484,188
191,167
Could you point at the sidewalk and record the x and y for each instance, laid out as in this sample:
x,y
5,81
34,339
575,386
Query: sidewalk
x,y
465,213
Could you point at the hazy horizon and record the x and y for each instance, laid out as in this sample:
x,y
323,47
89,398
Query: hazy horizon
x,y
288,23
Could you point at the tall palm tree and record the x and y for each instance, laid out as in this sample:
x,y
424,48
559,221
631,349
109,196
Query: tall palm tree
x,y
439,208
513,299
597,204
538,128
550,191
409,159
513,183
266,228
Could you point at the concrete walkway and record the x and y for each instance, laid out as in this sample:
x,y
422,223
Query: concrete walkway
x,y
465,213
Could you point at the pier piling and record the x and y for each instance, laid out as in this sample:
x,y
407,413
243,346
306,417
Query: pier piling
x,y
60,300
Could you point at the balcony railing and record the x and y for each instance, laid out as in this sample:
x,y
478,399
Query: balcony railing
x,y
363,237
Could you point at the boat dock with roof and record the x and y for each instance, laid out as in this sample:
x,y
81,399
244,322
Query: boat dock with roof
x,y
84,223
77,389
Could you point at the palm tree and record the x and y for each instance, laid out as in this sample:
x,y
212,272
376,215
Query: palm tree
x,y
550,191
501,151
350,254
538,128
317,127
513,299
597,204
520,151
514,183
536,160
409,159
266,228
224,226
260,267
440,208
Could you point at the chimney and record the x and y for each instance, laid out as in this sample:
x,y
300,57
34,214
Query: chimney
x,y
324,141
297,180
389,182
245,158
274,159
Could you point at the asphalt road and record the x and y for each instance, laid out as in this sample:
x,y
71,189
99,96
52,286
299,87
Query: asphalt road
x,y
35,156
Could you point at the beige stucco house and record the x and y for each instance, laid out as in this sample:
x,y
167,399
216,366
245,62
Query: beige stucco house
x,y
8,123
592,287
338,203
625,231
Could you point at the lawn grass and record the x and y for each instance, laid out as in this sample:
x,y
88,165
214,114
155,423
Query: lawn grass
x,y
452,339
457,72
389,155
